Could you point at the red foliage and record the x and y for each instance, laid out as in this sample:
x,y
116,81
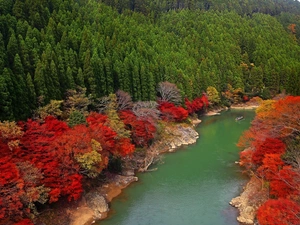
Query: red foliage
x,y
96,119
58,169
104,135
272,163
280,211
245,98
285,183
197,104
24,222
142,131
204,99
11,189
124,147
269,146
170,112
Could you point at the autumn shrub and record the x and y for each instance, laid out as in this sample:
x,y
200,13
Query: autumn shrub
x,y
170,112
142,130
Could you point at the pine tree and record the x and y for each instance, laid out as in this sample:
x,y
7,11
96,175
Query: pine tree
x,y
12,47
40,82
21,105
2,54
6,112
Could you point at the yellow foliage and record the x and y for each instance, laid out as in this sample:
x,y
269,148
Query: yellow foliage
x,y
90,162
96,146
265,108
53,109
114,120
13,144
213,95
10,130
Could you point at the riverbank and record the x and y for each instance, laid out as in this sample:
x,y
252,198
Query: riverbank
x,y
253,195
94,204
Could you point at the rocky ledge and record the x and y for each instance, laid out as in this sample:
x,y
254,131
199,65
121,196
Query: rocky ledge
x,y
182,135
250,199
94,205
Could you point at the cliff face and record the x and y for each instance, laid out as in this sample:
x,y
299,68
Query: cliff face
x,y
94,205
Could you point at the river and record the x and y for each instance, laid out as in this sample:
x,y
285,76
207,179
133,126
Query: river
x,y
194,185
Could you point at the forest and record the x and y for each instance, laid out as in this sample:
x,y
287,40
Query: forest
x,y
50,46
84,83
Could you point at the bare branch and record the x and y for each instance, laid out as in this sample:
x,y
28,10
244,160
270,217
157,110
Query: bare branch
x,y
124,100
169,92
146,110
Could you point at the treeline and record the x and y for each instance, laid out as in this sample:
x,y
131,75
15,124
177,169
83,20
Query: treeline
x,y
285,11
49,47
58,153
271,153
272,7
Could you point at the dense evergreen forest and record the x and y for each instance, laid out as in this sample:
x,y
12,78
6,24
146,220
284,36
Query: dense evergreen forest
x,y
51,46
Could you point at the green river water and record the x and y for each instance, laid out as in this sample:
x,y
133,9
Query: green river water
x,y
194,185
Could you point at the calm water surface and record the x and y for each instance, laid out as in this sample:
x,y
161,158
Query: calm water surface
x,y
193,185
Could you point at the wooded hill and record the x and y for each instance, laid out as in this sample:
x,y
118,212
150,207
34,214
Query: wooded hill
x,y
50,46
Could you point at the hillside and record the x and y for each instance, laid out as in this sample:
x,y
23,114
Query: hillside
x,y
48,47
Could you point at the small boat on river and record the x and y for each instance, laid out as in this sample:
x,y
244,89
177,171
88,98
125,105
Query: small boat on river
x,y
239,118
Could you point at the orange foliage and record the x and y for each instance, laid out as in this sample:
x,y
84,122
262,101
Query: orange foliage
x,y
292,28
279,119
246,139
245,158
270,167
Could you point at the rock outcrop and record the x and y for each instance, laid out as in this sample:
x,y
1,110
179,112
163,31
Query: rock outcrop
x,y
94,205
249,201
182,135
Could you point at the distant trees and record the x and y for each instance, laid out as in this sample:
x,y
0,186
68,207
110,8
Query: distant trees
x,y
48,50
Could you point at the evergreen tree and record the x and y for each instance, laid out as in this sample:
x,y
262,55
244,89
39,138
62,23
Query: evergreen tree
x,y
12,47
21,103
6,112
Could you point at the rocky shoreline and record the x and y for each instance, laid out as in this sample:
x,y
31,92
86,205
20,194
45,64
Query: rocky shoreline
x,y
249,201
253,194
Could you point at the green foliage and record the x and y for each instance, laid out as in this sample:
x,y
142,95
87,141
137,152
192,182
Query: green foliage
x,y
194,44
76,118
